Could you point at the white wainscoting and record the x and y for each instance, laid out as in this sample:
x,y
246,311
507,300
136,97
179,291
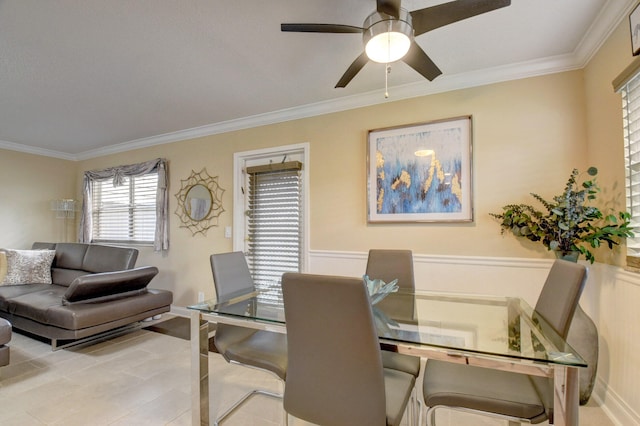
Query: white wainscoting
x,y
611,298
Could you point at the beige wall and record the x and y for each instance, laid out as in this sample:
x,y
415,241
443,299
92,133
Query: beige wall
x,y
614,299
27,184
527,136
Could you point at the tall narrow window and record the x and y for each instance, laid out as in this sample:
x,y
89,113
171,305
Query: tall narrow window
x,y
274,218
631,122
126,204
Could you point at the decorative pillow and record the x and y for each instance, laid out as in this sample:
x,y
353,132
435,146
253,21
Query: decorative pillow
x,y
3,265
28,266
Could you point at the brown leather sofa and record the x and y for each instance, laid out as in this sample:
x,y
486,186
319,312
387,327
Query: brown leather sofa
x,y
95,289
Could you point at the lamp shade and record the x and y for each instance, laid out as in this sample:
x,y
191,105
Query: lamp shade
x,y
387,39
65,209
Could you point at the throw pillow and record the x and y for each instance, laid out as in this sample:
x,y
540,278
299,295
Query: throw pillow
x,y
29,266
3,265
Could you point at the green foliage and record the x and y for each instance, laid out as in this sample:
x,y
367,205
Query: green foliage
x,y
569,224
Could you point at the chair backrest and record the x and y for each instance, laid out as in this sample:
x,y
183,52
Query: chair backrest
x,y
231,275
560,295
334,372
388,265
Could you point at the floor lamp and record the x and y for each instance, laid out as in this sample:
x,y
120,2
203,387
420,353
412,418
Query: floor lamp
x,y
65,209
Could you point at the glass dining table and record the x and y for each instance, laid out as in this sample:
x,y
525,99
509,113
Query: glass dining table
x,y
502,333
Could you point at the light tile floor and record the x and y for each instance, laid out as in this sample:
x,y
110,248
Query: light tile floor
x,y
143,378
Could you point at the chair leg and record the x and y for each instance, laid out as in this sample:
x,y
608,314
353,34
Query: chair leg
x,y
431,416
243,400
286,415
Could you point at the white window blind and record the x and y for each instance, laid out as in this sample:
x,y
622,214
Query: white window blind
x,y
274,223
125,213
631,121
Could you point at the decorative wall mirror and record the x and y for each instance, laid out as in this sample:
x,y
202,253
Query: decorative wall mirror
x,y
199,202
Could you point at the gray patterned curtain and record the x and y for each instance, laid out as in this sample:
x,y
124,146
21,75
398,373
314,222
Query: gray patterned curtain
x,y
118,174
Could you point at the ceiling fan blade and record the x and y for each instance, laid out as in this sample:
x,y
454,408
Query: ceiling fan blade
x,y
390,7
433,17
417,59
353,69
320,28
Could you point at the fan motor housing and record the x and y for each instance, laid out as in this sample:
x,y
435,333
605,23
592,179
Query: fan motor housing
x,y
381,30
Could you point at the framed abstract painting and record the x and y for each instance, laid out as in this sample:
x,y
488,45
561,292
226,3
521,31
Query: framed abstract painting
x,y
634,27
420,172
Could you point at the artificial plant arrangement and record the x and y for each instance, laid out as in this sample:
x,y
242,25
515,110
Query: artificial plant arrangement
x,y
570,226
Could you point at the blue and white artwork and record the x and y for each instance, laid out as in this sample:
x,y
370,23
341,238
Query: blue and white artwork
x,y
421,172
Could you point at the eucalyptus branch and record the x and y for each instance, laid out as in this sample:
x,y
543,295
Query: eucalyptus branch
x,y
568,223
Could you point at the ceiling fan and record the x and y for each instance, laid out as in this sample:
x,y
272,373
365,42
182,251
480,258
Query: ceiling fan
x,y
388,33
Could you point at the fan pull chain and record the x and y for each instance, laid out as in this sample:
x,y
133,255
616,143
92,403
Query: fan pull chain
x,y
387,71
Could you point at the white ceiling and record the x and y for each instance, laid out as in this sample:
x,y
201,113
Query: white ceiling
x,y
82,78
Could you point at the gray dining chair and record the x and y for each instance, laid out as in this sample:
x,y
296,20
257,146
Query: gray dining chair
x,y
249,347
512,396
335,375
388,265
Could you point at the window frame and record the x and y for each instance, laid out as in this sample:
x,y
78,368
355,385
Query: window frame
x,y
117,174
131,194
247,158
631,135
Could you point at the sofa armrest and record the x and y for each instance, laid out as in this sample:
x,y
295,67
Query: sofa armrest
x,y
93,288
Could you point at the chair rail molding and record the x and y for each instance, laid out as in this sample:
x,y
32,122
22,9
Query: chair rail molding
x,y
611,298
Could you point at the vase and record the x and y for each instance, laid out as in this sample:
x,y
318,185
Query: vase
x,y
571,256
583,337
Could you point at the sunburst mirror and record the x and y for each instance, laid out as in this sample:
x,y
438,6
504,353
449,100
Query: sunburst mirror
x,y
199,202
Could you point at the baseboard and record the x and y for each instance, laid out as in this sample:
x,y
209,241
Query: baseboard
x,y
618,411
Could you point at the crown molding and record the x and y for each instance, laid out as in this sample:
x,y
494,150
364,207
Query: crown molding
x,y
11,146
610,16
528,69
443,84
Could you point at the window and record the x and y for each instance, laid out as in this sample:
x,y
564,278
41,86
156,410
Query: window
x,y
631,124
274,219
126,204
270,214
125,213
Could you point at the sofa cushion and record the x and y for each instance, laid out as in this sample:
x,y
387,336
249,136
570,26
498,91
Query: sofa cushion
x,y
70,255
108,286
28,266
109,259
8,292
65,277
36,305
45,307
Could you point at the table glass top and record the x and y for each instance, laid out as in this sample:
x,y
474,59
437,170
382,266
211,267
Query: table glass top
x,y
494,326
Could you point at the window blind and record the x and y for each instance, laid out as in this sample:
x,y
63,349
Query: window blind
x,y
274,223
125,213
630,92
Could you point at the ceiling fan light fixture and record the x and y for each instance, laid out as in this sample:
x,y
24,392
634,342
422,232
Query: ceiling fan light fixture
x,y
387,39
